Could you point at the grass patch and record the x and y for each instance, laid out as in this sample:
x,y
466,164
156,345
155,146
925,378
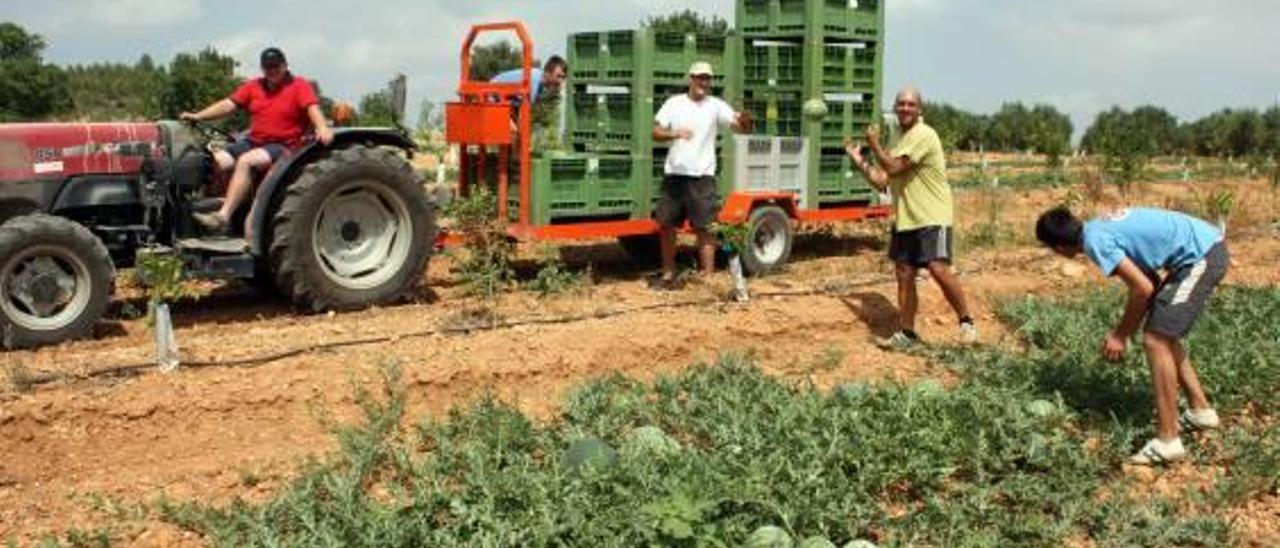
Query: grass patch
x,y
1025,450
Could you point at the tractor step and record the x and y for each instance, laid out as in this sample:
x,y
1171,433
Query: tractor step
x,y
218,244
217,257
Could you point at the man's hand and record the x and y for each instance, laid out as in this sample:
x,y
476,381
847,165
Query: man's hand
x,y
1114,346
325,136
873,134
682,133
744,121
189,117
854,151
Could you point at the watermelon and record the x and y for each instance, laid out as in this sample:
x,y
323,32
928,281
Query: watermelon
x,y
1042,408
816,542
588,452
815,109
649,441
769,537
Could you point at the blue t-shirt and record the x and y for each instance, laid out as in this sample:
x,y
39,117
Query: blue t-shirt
x,y
1153,239
514,76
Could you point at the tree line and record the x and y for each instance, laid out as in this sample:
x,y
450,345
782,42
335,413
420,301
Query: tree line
x,y
32,89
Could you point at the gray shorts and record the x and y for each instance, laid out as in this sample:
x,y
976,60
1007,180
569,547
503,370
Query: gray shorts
x,y
921,246
1184,293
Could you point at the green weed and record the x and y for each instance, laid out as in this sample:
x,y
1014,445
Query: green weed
x,y
485,262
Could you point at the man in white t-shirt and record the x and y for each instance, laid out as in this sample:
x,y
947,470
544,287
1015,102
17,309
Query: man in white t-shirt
x,y
691,122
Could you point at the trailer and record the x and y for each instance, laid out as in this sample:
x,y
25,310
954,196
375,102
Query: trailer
x,y
792,172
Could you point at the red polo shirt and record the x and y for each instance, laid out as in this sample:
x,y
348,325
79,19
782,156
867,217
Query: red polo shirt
x,y
276,115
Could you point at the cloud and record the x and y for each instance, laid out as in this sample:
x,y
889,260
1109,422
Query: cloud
x,y
123,15
1131,35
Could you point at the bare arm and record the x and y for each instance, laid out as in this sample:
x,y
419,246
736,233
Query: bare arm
x,y
892,166
323,133
1140,291
215,111
877,177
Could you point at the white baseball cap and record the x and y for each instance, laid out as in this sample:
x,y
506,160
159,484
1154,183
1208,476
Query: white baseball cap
x,y
701,68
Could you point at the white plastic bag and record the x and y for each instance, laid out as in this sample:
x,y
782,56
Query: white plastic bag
x,y
166,340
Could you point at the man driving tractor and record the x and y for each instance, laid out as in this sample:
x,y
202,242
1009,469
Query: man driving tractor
x,y
282,108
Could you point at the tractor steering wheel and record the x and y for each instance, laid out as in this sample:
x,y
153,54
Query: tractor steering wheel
x,y
210,131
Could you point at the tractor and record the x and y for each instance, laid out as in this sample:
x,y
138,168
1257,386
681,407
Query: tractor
x,y
335,227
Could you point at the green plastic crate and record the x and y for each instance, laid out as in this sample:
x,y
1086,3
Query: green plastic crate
x,y
674,53
603,56
838,182
569,186
773,64
837,18
628,55
623,122
777,113
850,66
847,118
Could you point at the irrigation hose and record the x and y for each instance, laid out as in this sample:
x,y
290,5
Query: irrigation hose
x,y
135,369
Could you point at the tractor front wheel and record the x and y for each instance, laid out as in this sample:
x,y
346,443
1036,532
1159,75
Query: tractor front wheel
x,y
56,279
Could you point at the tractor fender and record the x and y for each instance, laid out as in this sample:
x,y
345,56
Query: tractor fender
x,y
288,168
739,205
97,191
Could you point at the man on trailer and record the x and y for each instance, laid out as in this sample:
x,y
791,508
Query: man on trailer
x,y
689,191
549,78
543,83
915,171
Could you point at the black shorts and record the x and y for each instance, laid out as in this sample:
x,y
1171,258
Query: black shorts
x,y
692,198
241,146
921,246
1184,293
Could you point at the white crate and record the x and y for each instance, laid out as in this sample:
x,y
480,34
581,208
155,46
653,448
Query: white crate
x,y
775,164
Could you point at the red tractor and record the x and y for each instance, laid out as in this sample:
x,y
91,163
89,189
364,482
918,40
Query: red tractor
x,y
338,227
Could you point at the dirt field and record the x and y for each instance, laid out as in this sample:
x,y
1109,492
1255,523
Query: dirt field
x,y
84,454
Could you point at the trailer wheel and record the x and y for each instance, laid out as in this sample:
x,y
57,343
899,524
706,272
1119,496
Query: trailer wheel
x,y
55,280
769,238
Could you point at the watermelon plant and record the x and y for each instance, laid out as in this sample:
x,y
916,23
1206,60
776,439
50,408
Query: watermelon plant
x,y
1023,450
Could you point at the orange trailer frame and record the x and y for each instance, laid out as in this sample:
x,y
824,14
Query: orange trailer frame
x,y
480,118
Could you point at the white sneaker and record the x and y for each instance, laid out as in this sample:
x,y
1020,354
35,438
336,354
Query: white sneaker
x,y
1159,452
1199,419
898,341
968,333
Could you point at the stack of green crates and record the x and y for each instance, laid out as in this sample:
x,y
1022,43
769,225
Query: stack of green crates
x,y
795,51
617,82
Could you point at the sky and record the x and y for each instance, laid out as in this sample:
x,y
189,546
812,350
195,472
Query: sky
x,y
1082,56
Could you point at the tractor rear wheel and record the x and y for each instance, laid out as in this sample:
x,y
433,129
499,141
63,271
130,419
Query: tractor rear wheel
x,y
355,229
56,279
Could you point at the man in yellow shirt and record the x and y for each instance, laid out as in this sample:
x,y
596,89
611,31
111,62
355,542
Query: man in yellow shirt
x,y
915,172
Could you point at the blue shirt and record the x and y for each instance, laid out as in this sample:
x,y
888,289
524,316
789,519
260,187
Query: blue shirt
x,y
514,77
1154,239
